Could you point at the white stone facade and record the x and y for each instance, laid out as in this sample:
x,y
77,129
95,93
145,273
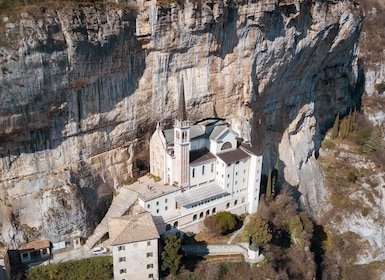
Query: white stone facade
x,y
137,260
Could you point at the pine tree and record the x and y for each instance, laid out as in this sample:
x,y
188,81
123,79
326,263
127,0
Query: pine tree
x,y
334,133
269,185
171,255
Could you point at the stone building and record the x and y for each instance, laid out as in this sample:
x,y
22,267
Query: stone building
x,y
134,244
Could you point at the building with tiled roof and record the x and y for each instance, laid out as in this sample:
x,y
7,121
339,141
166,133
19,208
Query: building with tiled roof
x,y
35,251
134,242
207,167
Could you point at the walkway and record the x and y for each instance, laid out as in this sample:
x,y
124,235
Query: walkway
x,y
120,204
239,230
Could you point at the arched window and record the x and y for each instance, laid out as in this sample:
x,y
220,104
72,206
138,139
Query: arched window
x,y
235,202
195,217
227,205
175,223
201,215
214,210
226,145
207,212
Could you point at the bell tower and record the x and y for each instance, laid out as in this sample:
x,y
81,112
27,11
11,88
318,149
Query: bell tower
x,y
182,141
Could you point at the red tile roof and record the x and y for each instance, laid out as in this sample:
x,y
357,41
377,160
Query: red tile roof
x,y
36,245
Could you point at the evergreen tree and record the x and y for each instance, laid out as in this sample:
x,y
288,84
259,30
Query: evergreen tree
x,y
334,133
226,221
269,185
171,254
258,230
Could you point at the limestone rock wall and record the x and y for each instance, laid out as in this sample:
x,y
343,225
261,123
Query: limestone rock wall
x,y
82,88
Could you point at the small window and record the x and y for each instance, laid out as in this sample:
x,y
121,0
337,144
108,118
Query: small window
x,y
166,208
227,205
151,276
122,259
150,266
193,172
195,217
148,243
201,215
121,248
165,201
157,211
157,203
25,255
212,168
235,202
122,271
214,210
149,255
236,173
203,170
148,206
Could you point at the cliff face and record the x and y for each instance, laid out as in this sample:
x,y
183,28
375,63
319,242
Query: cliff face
x,y
82,88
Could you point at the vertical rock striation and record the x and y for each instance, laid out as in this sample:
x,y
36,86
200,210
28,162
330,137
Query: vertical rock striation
x,y
82,87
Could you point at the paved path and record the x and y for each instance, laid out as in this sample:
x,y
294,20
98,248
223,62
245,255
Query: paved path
x,y
120,204
239,230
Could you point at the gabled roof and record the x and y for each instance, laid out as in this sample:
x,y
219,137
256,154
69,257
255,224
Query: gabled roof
x,y
233,155
200,155
132,228
218,132
35,245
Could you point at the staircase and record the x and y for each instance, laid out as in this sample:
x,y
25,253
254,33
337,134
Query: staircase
x,y
120,204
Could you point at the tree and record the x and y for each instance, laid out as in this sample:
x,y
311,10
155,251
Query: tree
x,y
258,230
171,254
211,224
336,126
226,221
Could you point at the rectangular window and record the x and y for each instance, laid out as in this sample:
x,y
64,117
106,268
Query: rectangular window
x,y
212,168
203,170
149,255
121,248
150,266
193,172
166,208
165,201
122,271
151,276
122,259
157,203
148,206
148,243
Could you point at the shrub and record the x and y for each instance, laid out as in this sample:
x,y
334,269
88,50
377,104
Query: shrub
x,y
92,268
328,144
365,211
129,181
351,176
380,87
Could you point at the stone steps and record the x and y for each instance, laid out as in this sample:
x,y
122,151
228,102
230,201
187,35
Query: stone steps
x,y
120,204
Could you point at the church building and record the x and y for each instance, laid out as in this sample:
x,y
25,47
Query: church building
x,y
205,167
